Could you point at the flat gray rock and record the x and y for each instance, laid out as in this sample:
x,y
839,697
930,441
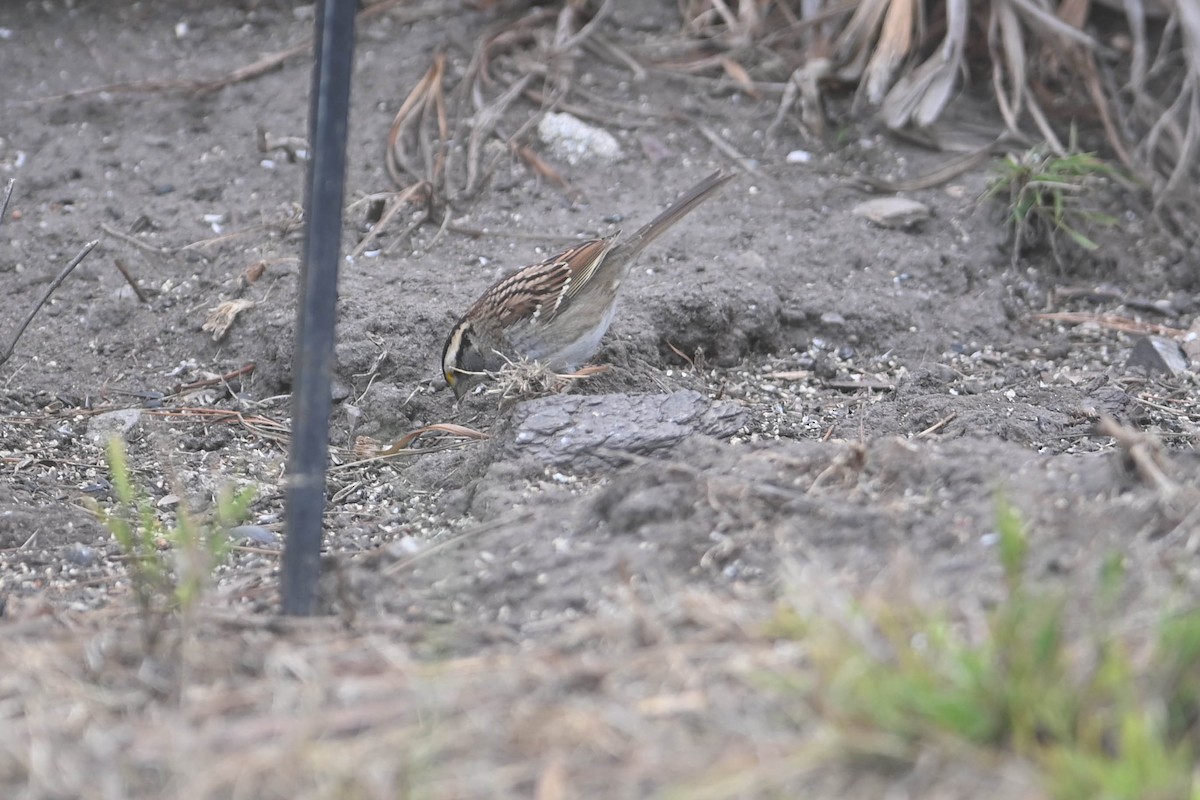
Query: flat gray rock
x,y
590,432
1158,354
119,423
893,212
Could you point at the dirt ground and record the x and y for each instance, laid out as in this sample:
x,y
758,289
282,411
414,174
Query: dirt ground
x,y
498,623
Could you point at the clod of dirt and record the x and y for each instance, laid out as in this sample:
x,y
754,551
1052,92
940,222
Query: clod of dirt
x,y
725,327
584,434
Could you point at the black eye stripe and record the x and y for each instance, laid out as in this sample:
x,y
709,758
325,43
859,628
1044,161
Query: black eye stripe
x,y
464,344
460,340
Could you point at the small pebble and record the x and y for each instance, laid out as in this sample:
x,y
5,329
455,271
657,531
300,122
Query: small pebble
x,y
575,141
81,555
404,547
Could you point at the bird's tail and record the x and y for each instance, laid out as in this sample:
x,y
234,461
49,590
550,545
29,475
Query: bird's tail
x,y
628,250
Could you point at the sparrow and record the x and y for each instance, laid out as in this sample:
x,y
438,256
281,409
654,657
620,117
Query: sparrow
x,y
558,310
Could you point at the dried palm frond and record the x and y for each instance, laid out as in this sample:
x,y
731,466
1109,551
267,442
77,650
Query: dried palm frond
x,y
919,96
858,37
902,26
1050,67
448,136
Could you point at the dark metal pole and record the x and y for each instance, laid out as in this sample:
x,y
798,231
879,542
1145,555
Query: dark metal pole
x,y
312,367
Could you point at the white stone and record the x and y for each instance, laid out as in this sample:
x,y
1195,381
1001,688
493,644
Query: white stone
x,y
575,141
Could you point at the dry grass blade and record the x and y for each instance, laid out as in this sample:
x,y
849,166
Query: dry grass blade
x,y
129,279
1113,322
8,190
418,193
1189,96
723,11
264,427
367,449
1041,19
565,42
219,380
558,68
415,155
1095,90
1045,128
920,96
54,284
399,157
1146,454
746,163
486,121
133,240
1007,47
1135,14
853,48
741,77
605,48
545,169
742,27
525,378
895,42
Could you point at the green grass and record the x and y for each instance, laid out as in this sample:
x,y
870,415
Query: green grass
x,y
1046,197
169,566
1093,719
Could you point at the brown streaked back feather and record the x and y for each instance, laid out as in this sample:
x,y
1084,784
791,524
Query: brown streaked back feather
x,y
539,291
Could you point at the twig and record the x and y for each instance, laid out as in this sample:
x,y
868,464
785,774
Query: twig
x,y
255,424
1145,454
417,222
220,379
8,190
937,426
133,240
396,204
224,237
725,147
1111,321
851,385
121,268
62,276
950,170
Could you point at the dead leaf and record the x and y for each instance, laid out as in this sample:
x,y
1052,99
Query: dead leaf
x,y
254,271
221,317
